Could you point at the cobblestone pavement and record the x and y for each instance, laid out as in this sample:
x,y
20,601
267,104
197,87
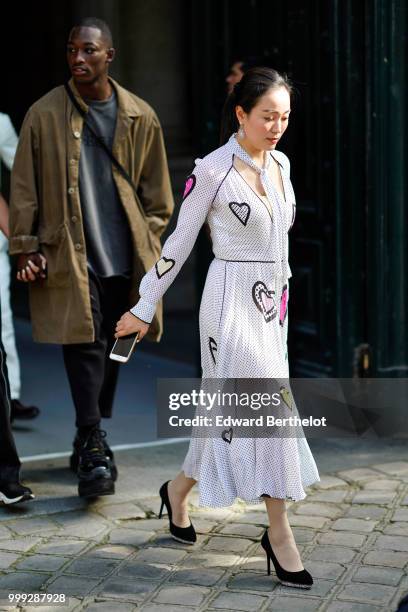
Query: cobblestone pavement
x,y
115,554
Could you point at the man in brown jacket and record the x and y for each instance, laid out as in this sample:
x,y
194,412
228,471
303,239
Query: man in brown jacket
x,y
83,236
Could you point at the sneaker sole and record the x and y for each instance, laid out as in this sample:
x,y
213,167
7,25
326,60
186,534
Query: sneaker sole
x,y
96,488
9,501
73,464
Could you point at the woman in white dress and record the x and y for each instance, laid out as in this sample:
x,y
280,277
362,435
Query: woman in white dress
x,y
243,191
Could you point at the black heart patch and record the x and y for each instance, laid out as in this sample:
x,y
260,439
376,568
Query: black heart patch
x,y
241,211
163,266
264,301
213,348
227,435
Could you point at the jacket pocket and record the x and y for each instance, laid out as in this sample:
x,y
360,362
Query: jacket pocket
x,y
54,247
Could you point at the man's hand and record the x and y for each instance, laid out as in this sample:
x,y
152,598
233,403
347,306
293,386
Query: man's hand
x,y
31,267
129,324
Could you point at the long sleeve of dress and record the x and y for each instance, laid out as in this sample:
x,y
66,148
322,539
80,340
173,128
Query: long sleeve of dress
x,y
8,140
199,193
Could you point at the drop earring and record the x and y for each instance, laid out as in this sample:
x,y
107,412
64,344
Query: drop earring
x,y
241,132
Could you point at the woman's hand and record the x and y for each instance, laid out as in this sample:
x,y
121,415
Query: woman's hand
x,y
31,267
129,324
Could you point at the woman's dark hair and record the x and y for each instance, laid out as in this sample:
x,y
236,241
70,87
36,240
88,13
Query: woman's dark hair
x,y
253,85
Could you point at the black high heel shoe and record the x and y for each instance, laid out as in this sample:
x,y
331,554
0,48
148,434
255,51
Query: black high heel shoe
x,y
186,535
301,579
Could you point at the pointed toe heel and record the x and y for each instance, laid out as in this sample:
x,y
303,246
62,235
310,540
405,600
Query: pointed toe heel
x,y
185,535
300,580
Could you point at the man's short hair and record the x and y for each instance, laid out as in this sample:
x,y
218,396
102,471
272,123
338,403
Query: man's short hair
x,y
94,22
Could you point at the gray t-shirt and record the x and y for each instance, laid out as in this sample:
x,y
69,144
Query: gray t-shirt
x,y
107,233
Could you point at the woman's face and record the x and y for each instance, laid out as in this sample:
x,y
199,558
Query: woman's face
x,y
265,124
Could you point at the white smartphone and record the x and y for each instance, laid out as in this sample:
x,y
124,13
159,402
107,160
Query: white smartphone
x,y
123,348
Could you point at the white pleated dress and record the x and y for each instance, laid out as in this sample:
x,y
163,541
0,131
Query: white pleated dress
x,y
243,322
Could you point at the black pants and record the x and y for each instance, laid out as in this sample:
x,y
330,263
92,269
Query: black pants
x,y
9,461
91,374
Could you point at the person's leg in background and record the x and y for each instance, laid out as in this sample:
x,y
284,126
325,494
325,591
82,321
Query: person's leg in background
x,y
85,367
18,410
11,491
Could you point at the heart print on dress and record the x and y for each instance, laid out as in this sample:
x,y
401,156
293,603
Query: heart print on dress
x,y
283,305
163,266
264,301
189,186
241,211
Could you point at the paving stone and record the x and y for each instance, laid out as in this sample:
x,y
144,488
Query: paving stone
x,y
344,606
325,569
62,547
122,511
256,563
204,526
32,525
154,607
227,544
376,575
72,585
293,604
398,543
396,529
359,474
122,588
254,518
165,540
376,594
75,524
213,514
4,533
130,537
151,524
401,514
405,501
354,524
199,576
42,563
19,544
395,468
318,509
374,497
108,606
386,558
330,496
249,581
369,512
191,595
329,482
167,556
111,551
24,582
320,588
303,535
230,600
91,566
340,538
149,571
300,520
7,559
383,484
210,560
337,554
243,529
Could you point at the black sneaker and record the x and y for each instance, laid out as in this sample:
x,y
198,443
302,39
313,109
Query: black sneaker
x,y
14,493
74,458
94,473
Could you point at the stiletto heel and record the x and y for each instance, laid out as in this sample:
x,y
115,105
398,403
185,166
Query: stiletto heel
x,y
301,579
186,535
268,562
